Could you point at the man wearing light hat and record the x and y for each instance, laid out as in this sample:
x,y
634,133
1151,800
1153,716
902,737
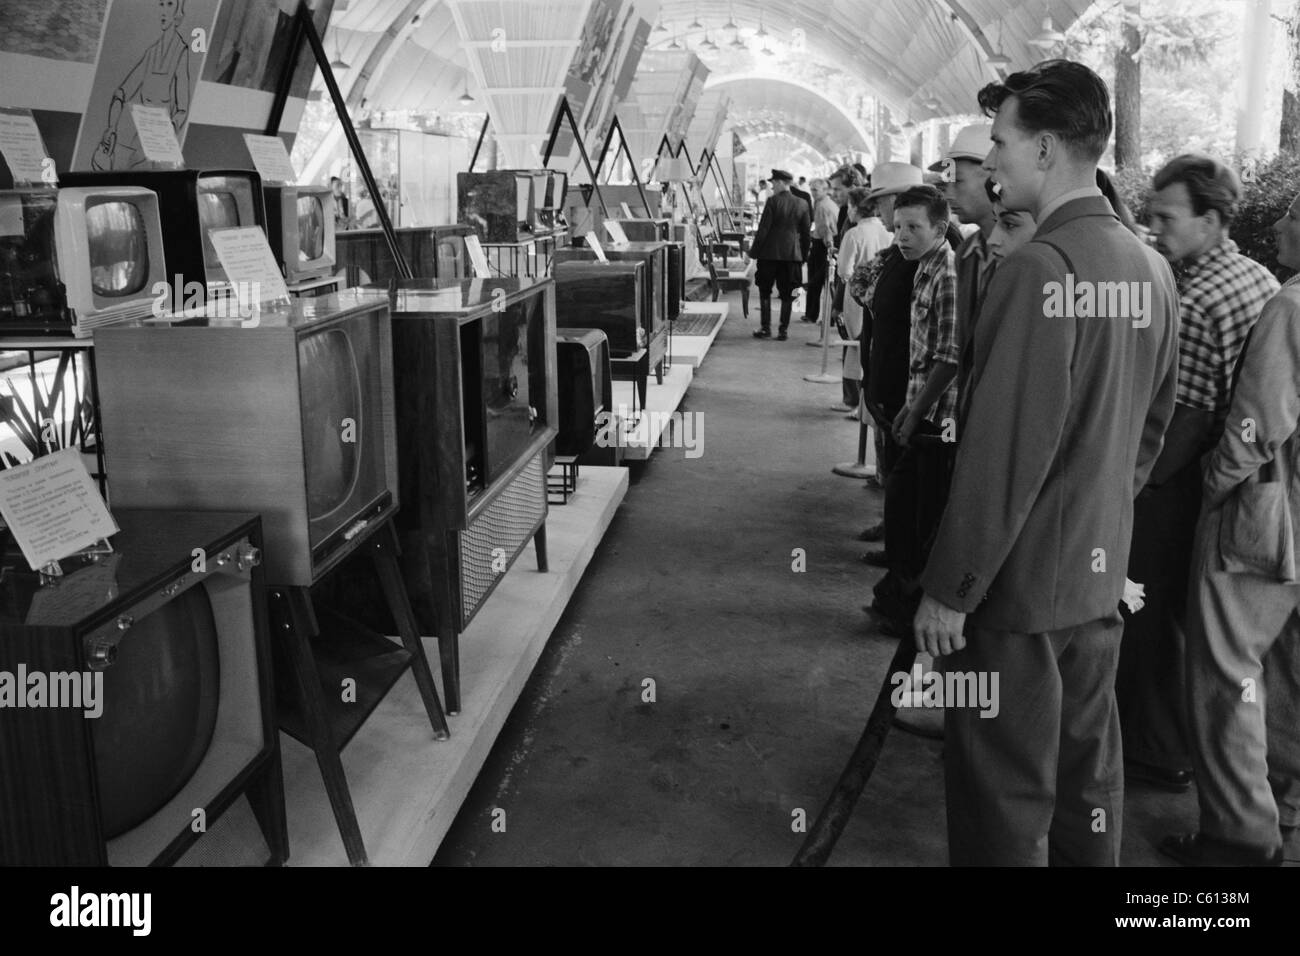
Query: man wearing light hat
x,y
780,248
963,173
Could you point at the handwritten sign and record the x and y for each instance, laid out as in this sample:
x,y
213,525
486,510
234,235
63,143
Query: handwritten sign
x,y
157,135
271,159
53,507
24,150
250,265
615,229
594,244
477,257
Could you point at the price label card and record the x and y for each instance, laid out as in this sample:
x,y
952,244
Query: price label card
x,y
24,150
157,135
615,229
594,244
627,211
53,507
250,266
477,257
271,159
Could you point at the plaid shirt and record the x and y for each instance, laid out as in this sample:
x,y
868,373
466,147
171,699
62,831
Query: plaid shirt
x,y
1221,293
934,329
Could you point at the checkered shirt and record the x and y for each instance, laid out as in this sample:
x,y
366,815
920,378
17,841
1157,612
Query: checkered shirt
x,y
1221,293
934,329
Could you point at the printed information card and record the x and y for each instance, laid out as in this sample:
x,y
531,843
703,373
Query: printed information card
x,y
477,257
53,507
24,150
594,244
271,160
616,232
157,135
250,265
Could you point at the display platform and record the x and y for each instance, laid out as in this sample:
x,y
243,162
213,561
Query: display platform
x,y
690,349
661,401
406,786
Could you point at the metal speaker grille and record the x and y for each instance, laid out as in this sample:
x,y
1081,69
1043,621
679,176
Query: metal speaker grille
x,y
507,524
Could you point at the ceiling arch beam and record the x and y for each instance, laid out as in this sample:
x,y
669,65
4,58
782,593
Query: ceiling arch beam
x,y
748,80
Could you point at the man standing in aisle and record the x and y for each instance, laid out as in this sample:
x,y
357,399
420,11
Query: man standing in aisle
x,y
1072,386
1221,295
825,213
780,247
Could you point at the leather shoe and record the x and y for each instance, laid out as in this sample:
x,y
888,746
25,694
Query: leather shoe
x,y
1162,778
876,559
1197,849
875,533
782,336
763,334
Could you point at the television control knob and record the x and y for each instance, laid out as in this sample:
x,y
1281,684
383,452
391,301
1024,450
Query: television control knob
x,y
223,560
247,556
100,655
124,622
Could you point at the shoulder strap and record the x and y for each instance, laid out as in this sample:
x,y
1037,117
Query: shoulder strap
x,y
1059,251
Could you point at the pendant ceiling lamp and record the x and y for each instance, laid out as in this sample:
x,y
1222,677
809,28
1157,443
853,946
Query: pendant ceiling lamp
x,y
1048,36
465,99
999,60
731,19
338,63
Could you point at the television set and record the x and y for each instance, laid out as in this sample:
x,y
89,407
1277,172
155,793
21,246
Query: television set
x,y
291,417
499,204
33,299
109,246
180,716
432,252
196,202
584,389
300,229
646,230
476,413
655,291
607,296
553,206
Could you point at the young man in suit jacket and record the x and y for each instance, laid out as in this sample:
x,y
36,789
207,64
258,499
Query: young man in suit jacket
x,y
1072,387
780,247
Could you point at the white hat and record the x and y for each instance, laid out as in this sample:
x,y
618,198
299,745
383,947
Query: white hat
x,y
890,178
972,142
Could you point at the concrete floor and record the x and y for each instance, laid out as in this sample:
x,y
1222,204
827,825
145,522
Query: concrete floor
x,y
763,676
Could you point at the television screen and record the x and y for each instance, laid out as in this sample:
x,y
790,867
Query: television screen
x,y
509,381
451,258
159,710
524,199
332,420
217,210
119,248
311,228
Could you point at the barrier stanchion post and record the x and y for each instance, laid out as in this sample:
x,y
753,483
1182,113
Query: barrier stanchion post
x,y
825,377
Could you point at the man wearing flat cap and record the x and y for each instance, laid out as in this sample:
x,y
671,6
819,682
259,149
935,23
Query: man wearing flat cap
x,y
780,248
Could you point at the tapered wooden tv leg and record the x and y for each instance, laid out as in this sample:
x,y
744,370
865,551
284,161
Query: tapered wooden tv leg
x,y
383,549
293,617
659,372
449,657
539,543
266,797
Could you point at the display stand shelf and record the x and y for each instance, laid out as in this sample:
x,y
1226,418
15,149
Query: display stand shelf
x,y
691,349
661,401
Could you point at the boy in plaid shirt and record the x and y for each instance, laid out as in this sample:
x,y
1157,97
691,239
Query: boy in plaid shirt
x,y
917,488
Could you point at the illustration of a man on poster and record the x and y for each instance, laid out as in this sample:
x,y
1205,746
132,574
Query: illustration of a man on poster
x,y
160,78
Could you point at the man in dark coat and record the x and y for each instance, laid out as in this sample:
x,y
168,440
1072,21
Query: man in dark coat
x,y
780,248
1072,387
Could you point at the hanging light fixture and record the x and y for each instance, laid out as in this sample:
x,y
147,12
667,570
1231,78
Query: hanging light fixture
x,y
737,43
731,18
659,26
464,98
675,45
696,24
762,32
338,63
708,45
1048,36
999,60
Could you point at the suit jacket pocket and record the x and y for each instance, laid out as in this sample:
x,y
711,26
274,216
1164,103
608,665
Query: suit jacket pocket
x,y
1256,536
